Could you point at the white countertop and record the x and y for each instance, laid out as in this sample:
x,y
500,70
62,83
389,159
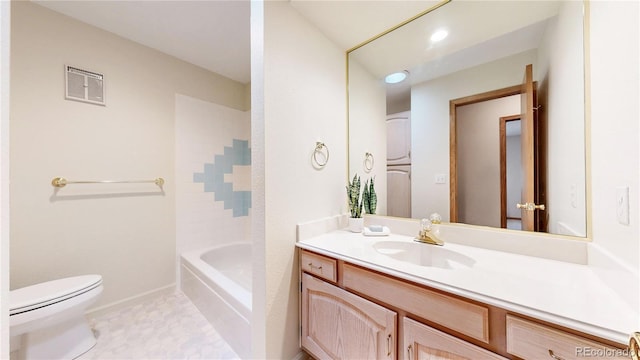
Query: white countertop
x,y
562,293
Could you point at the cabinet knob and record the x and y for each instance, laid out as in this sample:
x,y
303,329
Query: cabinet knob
x,y
389,345
315,267
410,352
554,356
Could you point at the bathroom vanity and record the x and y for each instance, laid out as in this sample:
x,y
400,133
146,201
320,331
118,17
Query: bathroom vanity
x,y
392,298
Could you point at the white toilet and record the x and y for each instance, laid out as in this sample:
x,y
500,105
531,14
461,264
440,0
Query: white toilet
x,y
47,320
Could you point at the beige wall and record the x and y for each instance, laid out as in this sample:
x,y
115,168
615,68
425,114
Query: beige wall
x,y
478,154
304,102
124,232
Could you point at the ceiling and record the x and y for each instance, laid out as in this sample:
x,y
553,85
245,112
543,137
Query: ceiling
x,y
479,32
351,22
215,34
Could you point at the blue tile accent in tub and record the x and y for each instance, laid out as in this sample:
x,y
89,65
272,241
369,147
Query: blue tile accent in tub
x,y
213,177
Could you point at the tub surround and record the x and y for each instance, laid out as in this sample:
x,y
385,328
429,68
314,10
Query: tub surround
x,y
569,294
217,280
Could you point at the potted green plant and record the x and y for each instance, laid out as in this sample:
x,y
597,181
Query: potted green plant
x,y
356,223
369,197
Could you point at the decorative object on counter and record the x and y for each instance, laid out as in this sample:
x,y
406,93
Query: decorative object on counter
x,y
634,345
436,220
368,162
426,235
369,197
376,230
321,151
355,205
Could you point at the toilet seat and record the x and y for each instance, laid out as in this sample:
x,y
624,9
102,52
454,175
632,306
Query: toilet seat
x,y
50,292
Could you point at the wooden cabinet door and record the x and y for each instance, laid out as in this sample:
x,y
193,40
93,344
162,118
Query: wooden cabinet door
x,y
339,325
421,342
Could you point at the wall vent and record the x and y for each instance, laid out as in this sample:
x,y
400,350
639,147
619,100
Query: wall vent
x,y
83,85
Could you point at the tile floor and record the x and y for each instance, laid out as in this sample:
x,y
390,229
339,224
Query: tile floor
x,y
168,327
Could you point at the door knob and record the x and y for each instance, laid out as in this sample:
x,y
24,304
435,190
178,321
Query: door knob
x,y
530,206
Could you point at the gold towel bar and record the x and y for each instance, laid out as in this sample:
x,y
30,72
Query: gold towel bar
x,y
62,182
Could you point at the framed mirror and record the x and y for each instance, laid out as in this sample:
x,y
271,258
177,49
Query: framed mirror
x,y
448,138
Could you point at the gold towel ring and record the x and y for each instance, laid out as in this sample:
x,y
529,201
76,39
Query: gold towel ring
x,y
320,146
368,161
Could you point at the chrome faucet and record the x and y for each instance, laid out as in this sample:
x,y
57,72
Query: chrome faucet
x,y
428,232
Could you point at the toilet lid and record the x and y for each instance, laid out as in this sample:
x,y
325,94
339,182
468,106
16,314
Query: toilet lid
x,y
43,294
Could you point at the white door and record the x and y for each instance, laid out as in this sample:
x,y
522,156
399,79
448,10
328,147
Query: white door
x,y
399,190
399,164
399,138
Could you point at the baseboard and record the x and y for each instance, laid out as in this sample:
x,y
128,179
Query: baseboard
x,y
302,356
130,301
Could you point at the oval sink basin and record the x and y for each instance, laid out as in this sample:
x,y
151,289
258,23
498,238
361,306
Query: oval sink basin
x,y
423,254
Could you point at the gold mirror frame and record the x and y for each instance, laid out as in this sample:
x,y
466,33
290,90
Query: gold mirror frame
x,y
587,115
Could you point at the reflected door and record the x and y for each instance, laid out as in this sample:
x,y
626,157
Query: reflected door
x,y
399,139
527,205
399,190
399,164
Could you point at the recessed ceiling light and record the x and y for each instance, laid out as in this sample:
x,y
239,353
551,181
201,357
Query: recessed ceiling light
x,y
396,77
439,35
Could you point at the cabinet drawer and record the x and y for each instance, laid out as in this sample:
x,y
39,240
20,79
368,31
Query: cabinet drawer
x,y
530,340
318,265
458,315
423,342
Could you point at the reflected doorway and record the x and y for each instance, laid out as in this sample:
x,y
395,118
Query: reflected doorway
x,y
484,183
475,181
510,171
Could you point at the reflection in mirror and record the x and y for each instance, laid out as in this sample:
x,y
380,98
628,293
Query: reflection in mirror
x,y
415,124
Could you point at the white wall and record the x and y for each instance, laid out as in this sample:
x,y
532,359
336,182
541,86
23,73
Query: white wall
x,y
124,232
562,98
430,125
304,102
258,218
478,153
207,137
367,130
5,9
615,90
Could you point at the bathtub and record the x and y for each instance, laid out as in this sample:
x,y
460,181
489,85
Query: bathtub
x,y
218,281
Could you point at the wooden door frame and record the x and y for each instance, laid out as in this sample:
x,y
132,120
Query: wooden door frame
x,y
453,159
503,167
